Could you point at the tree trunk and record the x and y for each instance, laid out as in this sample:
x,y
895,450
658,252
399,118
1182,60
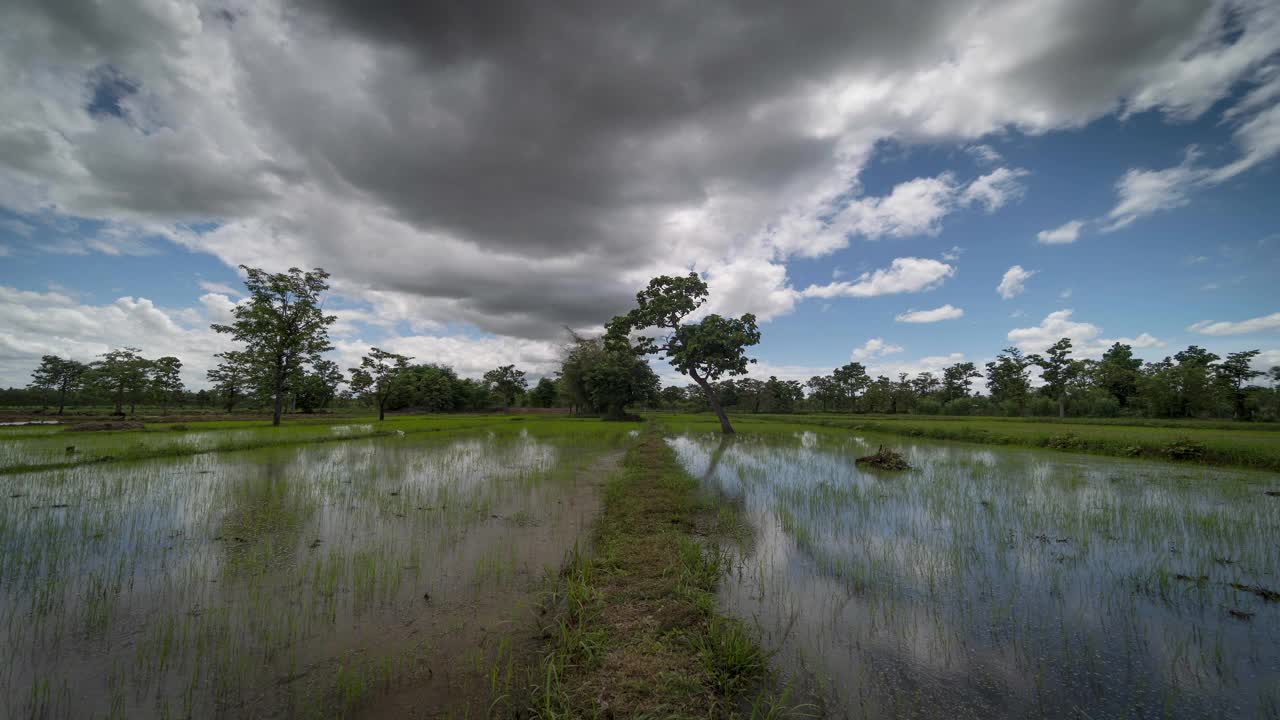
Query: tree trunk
x,y
714,402
382,412
1062,406
277,402
62,401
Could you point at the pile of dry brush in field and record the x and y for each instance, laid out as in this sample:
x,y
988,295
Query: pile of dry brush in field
x,y
885,459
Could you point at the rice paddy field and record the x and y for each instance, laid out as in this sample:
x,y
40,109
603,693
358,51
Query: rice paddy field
x,y
299,579
1237,444
352,568
1000,582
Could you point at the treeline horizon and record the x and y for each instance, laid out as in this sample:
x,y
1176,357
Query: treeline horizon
x,y
284,334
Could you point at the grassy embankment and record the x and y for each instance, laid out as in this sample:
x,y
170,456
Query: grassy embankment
x,y
24,449
637,633
1247,445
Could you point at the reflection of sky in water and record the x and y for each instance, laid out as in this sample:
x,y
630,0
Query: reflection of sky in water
x,y
292,553
997,582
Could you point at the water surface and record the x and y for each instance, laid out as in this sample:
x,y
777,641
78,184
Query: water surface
x,y
994,582
299,580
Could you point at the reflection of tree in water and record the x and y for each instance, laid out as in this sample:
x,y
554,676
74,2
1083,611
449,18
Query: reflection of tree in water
x,y
264,513
716,455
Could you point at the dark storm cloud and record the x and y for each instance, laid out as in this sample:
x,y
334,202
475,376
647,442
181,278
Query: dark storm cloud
x,y
550,124
518,165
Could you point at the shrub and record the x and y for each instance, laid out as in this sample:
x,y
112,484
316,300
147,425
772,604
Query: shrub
x,y
1184,448
1065,441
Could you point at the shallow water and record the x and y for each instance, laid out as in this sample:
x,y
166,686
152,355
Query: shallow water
x,y
991,582
40,446
296,580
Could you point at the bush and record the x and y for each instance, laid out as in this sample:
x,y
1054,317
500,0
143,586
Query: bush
x,y
1065,441
1184,448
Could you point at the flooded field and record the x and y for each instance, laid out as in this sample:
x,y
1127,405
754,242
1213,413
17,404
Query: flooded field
x,y
52,446
304,580
990,582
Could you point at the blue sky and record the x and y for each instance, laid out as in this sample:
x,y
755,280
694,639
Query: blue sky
x,y
468,218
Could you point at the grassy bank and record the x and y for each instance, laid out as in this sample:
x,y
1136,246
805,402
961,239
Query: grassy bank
x,y
636,632
53,448
1246,446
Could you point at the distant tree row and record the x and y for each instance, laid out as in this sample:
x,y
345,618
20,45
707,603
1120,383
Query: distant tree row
x,y
280,366
283,335
121,377
1189,384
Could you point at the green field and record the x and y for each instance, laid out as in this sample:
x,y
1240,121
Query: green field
x,y
1248,445
539,566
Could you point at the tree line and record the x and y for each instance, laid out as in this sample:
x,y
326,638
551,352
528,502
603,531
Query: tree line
x,y
1193,383
282,332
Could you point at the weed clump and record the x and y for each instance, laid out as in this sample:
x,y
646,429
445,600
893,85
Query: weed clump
x,y
1065,441
1184,448
885,459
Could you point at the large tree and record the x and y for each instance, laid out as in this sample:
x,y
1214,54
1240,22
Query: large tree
x,y
1193,381
232,377
166,381
1233,373
60,376
378,376
318,386
122,375
1009,378
705,350
1117,373
507,382
282,326
544,394
956,380
602,379
822,389
431,387
851,380
620,379
1058,370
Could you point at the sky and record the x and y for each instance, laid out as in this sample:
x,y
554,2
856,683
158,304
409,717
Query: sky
x,y
905,185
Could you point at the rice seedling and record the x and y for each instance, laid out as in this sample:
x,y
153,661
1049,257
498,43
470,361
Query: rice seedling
x,y
998,581
301,578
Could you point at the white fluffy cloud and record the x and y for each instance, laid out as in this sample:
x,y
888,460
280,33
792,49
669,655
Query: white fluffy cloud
x,y
1013,282
995,189
938,314
904,275
1062,235
1085,337
1252,325
874,348
1142,192
54,323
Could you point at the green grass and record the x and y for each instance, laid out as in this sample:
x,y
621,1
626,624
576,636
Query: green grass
x,y
636,632
25,449
1245,445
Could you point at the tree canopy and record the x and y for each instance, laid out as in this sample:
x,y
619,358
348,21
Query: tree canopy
x,y
282,326
705,350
